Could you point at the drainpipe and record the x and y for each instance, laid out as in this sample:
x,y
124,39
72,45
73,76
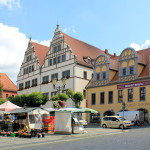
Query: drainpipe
x,y
75,58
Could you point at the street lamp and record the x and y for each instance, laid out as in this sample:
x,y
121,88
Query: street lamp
x,y
59,88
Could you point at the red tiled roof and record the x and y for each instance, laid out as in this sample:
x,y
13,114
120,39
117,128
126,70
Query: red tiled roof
x,y
40,51
7,83
145,59
82,49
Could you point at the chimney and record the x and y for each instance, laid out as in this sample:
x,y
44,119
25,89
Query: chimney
x,y
114,54
106,51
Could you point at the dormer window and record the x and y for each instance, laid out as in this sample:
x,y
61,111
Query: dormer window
x,y
89,60
104,75
132,70
98,76
124,71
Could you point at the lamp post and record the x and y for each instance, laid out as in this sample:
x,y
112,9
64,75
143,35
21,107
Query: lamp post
x,y
59,88
123,108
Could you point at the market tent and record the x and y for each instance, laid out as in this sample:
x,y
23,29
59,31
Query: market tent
x,y
73,110
8,106
89,110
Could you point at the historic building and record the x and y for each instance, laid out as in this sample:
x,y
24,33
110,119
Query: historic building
x,y
9,88
66,57
117,79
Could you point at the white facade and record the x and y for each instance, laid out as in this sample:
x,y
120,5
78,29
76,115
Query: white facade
x,y
75,81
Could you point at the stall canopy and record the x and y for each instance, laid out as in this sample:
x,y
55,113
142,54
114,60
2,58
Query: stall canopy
x,y
8,106
78,110
73,110
89,110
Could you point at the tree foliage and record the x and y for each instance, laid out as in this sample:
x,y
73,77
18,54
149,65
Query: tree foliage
x,y
31,100
70,93
77,98
55,98
2,101
62,97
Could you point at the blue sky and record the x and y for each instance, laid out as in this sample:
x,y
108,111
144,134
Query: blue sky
x,y
110,24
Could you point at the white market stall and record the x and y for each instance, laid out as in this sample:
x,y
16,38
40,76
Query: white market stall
x,y
31,117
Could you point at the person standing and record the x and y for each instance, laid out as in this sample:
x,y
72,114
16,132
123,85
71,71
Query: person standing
x,y
72,124
136,119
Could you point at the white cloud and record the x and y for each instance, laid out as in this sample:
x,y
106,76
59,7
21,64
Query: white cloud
x,y
46,43
69,29
140,47
13,45
10,3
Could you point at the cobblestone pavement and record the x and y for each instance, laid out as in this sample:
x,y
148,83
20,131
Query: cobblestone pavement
x,y
18,143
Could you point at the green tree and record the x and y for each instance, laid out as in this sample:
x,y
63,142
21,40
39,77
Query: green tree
x,y
63,97
1,87
31,100
77,98
55,98
70,93
2,101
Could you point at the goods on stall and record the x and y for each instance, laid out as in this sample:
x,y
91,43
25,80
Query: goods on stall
x,y
49,124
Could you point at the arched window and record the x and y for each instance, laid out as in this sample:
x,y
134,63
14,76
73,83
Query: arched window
x,y
101,70
128,65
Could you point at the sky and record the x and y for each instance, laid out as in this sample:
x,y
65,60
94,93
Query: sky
x,y
106,24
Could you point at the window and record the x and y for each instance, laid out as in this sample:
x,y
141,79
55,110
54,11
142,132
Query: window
x,y
27,84
12,95
45,79
89,60
27,58
63,58
120,96
32,67
59,47
124,71
54,61
55,49
142,93
85,75
54,76
58,59
53,93
0,95
34,82
110,97
66,74
6,96
65,91
21,86
84,93
50,62
102,98
93,101
98,76
104,75
131,70
130,95
92,75
24,71
29,69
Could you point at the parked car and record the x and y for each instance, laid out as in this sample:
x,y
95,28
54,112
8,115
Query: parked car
x,y
115,122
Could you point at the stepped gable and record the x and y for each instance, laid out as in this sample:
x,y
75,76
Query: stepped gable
x,y
7,83
40,51
82,49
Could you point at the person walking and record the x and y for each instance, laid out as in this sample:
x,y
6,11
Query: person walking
x,y
72,124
